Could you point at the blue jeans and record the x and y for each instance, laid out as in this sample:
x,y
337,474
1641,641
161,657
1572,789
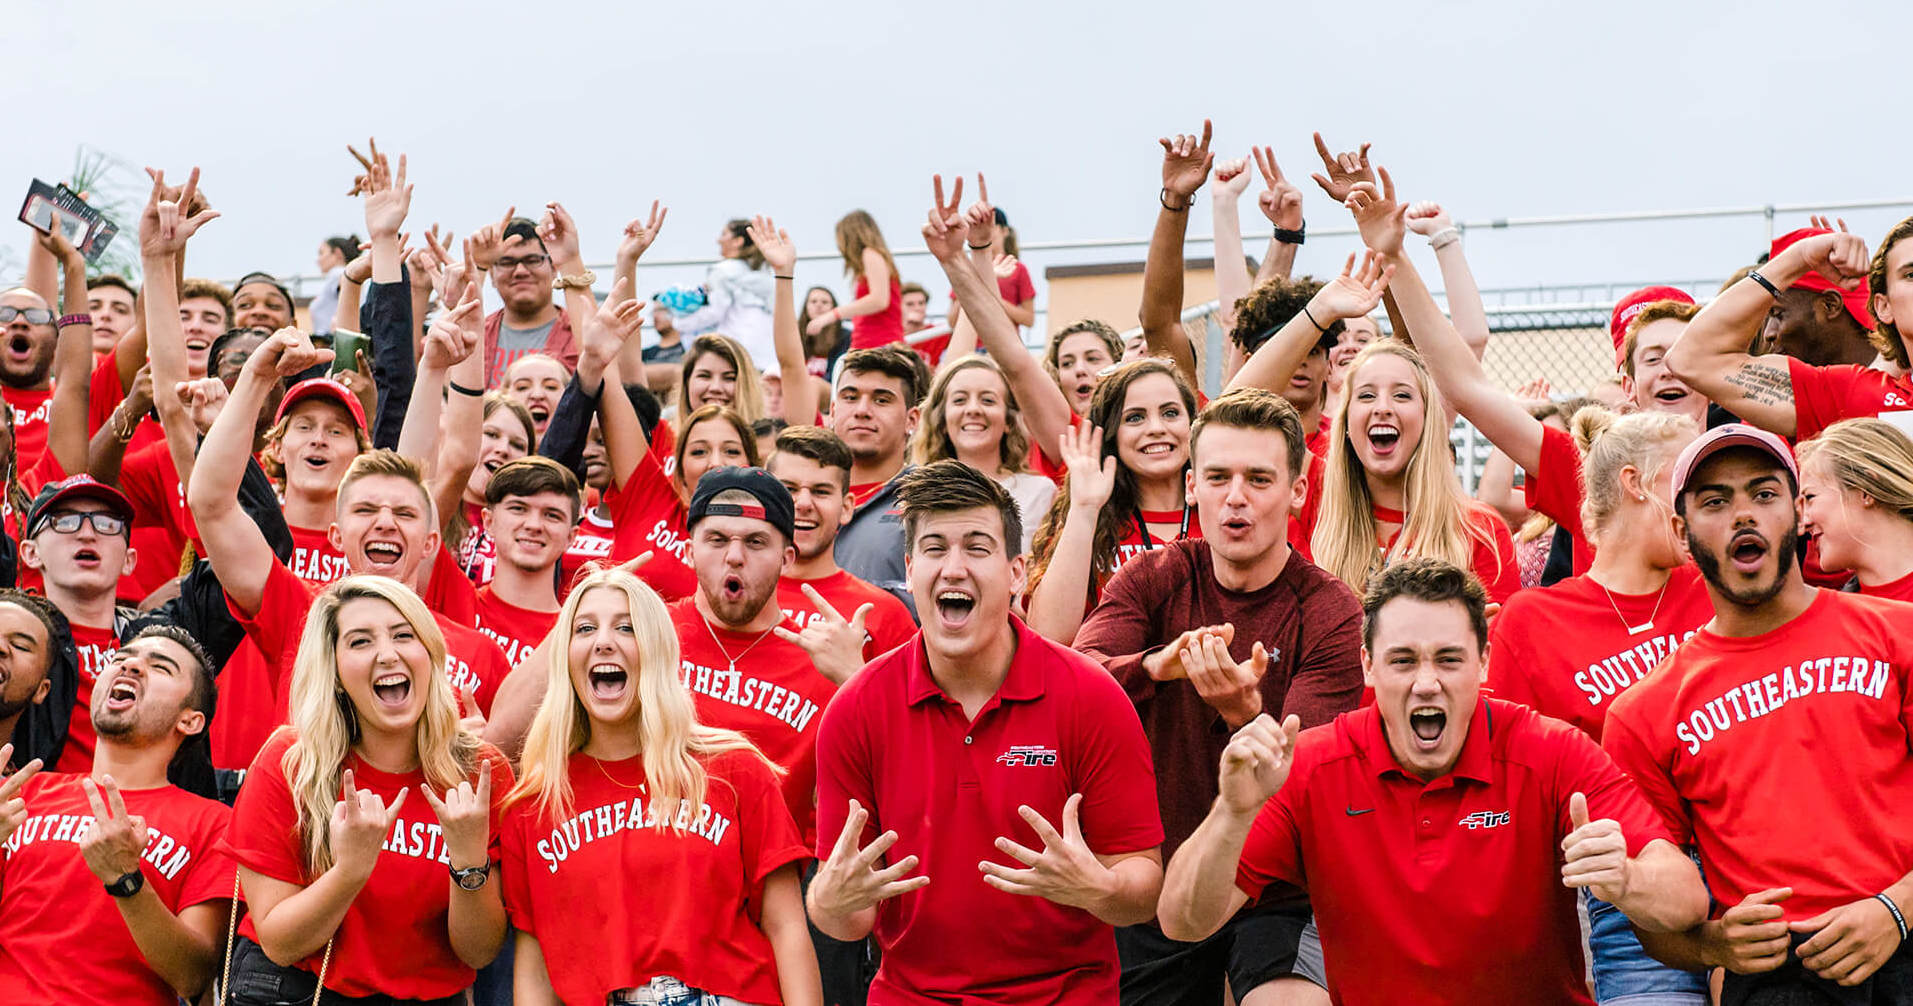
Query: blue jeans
x,y
1624,975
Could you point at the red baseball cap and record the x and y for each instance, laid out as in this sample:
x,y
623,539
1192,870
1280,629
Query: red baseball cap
x,y
1633,304
1855,300
1725,437
327,388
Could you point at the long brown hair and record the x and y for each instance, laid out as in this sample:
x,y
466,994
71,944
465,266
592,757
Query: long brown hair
x,y
856,233
1124,507
932,439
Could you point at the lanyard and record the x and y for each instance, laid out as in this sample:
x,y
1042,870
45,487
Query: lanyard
x,y
1148,540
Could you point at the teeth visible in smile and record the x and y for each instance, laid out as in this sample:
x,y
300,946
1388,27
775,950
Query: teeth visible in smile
x,y
385,680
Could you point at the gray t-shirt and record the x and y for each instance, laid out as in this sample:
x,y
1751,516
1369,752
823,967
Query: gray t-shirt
x,y
871,546
516,342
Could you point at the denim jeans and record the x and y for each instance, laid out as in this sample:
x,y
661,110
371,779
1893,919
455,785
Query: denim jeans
x,y
1624,975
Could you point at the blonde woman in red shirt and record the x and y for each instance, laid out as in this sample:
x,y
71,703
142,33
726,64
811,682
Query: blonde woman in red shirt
x,y
1856,502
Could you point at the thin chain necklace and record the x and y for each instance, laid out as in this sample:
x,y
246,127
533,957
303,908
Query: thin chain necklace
x,y
1635,630
613,779
720,646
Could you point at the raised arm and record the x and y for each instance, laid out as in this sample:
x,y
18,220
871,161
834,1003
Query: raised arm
x,y
1056,605
1465,309
947,235
1231,264
1199,892
800,392
166,342
1281,203
72,358
638,236
1185,166
390,322
1712,356
1350,295
605,332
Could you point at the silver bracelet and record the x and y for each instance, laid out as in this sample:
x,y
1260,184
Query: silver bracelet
x,y
1444,237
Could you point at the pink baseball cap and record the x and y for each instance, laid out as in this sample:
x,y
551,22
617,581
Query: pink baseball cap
x,y
1726,437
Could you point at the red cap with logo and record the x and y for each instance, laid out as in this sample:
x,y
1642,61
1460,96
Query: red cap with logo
x,y
1633,304
1855,300
326,388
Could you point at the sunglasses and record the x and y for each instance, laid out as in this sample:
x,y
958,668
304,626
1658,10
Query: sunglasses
x,y
33,315
69,522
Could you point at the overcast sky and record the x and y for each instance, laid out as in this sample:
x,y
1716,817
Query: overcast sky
x,y
805,111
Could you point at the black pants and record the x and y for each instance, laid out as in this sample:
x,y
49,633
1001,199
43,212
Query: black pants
x,y
1250,950
846,968
1793,985
257,981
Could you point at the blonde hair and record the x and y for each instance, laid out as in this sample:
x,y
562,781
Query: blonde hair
x,y
931,442
1868,456
672,743
1646,441
747,398
1440,522
326,724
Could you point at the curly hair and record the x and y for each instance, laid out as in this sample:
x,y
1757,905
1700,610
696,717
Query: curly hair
x,y
1270,306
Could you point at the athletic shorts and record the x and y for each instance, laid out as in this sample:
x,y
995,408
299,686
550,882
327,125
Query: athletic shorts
x,y
1250,950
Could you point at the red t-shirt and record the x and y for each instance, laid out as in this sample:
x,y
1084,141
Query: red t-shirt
x,y
62,938
314,560
517,631
257,681
162,524
773,698
104,395
950,786
1302,522
393,940
1016,288
887,627
1493,562
1566,652
649,516
1781,755
573,884
1896,590
32,407
593,542
449,593
1554,490
95,648
1366,839
1823,396
1317,439
885,326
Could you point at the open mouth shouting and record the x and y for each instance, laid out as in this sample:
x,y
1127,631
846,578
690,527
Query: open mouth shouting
x,y
123,694
1427,724
732,590
19,347
392,689
608,681
954,607
1384,438
1748,552
383,556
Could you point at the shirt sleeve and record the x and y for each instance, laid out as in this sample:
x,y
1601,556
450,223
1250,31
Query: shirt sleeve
x,y
281,617
843,771
1585,768
264,833
495,762
514,866
1022,289
388,329
1823,396
1554,487
210,875
1494,560
1114,772
638,498
1121,631
1633,754
1328,673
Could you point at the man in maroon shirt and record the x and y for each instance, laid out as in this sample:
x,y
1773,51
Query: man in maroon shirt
x,y
1441,834
1207,634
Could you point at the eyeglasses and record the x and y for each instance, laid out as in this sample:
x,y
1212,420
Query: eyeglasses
x,y
69,522
509,265
33,315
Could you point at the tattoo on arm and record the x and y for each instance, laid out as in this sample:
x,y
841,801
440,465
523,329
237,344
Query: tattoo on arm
x,y
1762,383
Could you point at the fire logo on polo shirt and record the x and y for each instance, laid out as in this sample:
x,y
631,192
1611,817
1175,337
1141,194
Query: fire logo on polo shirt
x,y
1027,754
1485,819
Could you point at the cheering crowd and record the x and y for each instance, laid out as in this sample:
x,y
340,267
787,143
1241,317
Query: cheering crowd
x,y
428,656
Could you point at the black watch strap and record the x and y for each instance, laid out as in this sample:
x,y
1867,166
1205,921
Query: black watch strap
x,y
1292,237
471,878
127,885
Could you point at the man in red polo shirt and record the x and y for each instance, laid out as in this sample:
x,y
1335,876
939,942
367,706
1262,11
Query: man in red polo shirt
x,y
982,744
1776,741
1430,828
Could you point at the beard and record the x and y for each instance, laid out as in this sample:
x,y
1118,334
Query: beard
x,y
1785,552
746,607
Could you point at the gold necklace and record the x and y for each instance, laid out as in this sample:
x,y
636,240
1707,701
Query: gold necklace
x,y
1635,630
613,779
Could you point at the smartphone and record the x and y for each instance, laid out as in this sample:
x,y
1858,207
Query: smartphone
x,y
45,208
346,345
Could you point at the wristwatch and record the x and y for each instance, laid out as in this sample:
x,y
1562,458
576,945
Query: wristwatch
x,y
581,281
471,878
128,885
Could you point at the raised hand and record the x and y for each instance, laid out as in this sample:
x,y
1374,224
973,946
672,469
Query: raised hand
x,y
849,881
1092,477
1344,170
1427,219
56,244
1596,854
203,399
638,234
1166,664
1256,763
560,234
1849,943
1280,200
162,228
486,240
616,321
454,336
1353,293
114,843
1751,937
360,268
1186,161
1004,266
1232,689
360,822
835,644
1537,390
1065,872
387,196
13,810
464,816
947,232
139,397
1232,178
470,716
980,218
286,353
1377,215
774,244
1839,257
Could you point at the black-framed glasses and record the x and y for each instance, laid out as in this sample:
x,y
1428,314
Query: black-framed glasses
x,y
33,315
533,261
69,522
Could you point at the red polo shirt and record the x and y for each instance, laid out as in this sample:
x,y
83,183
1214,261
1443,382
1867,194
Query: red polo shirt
x,y
1058,725
1448,891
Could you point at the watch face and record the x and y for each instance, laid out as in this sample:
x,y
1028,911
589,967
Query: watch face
x,y
472,879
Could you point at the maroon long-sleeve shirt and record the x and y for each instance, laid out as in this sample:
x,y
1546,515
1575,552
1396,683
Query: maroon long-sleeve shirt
x,y
1309,621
